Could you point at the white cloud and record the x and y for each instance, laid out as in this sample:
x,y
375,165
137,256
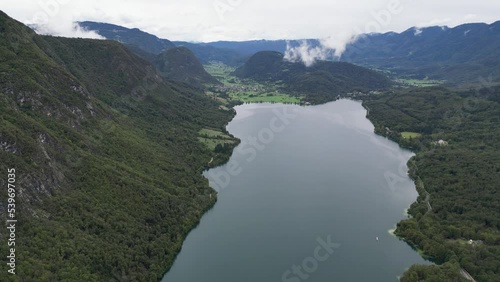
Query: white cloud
x,y
470,17
200,20
54,17
330,47
338,41
435,22
306,53
65,29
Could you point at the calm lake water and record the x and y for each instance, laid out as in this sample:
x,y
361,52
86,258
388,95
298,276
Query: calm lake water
x,y
309,195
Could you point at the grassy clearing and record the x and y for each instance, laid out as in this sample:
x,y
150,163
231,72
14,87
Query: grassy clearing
x,y
461,242
212,143
210,133
211,138
408,135
250,97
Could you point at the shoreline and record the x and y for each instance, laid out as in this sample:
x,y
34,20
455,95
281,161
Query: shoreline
x,y
415,179
214,164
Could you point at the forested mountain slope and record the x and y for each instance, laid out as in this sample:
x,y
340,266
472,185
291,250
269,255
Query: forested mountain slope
x,y
108,165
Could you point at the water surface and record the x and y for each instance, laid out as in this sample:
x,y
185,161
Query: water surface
x,y
304,197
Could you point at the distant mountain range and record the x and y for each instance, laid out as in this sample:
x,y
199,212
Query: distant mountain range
x,y
253,46
144,43
463,55
468,54
228,52
207,53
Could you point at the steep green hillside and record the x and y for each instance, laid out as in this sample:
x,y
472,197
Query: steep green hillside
x,y
107,158
322,82
174,63
458,178
180,64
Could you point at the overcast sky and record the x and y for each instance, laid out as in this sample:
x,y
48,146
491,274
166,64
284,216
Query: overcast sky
x,y
211,20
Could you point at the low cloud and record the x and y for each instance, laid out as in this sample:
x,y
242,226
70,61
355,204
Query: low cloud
x,y
66,30
58,18
306,53
329,48
436,22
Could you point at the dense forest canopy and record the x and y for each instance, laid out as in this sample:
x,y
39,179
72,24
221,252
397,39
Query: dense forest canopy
x,y
107,158
457,174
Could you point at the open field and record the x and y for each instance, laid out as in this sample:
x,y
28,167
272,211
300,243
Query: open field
x,y
211,138
264,97
408,135
212,143
210,133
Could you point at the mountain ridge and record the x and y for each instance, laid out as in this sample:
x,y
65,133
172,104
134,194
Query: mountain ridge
x,y
132,36
137,39
461,56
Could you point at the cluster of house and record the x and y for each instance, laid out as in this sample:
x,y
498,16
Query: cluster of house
x,y
359,93
440,143
239,88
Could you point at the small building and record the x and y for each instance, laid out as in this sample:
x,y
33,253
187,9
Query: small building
x,y
442,143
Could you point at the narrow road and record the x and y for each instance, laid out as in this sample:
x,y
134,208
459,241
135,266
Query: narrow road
x,y
427,198
466,275
367,110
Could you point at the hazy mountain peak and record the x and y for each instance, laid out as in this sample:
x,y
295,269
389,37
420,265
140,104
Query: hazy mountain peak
x,y
131,36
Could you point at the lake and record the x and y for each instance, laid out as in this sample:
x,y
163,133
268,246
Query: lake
x,y
310,194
